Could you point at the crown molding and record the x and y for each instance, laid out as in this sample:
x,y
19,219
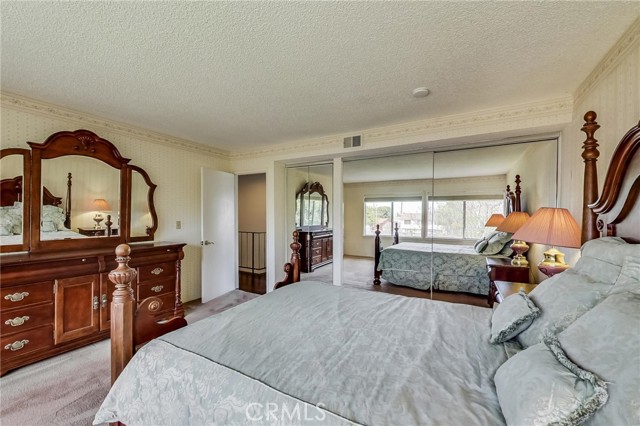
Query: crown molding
x,y
23,103
550,112
628,40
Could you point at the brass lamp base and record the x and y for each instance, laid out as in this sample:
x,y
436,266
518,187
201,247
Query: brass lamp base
x,y
519,247
553,262
97,219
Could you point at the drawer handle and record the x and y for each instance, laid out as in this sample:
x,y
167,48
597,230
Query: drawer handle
x,y
104,300
96,303
17,321
157,271
157,289
17,345
16,297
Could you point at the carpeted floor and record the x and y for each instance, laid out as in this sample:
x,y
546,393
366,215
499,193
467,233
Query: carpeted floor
x,y
68,389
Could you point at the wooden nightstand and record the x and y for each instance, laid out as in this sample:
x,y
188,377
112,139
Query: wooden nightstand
x,y
501,269
93,232
505,289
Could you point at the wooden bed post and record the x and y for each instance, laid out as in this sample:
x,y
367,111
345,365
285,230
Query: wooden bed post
x,y
396,234
518,206
122,312
590,155
67,204
291,268
376,273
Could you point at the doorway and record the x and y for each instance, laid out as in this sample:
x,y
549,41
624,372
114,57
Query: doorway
x,y
252,233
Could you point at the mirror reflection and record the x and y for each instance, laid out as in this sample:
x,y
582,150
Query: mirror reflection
x,y
81,198
141,219
12,195
441,205
309,190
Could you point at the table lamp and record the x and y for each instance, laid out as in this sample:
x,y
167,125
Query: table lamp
x,y
495,220
553,227
511,224
99,205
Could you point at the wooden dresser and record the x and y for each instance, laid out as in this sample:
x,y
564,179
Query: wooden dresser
x,y
316,249
58,301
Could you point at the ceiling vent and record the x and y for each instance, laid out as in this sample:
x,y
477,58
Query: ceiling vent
x,y
353,141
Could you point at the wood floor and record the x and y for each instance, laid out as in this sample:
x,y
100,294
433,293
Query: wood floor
x,y
252,283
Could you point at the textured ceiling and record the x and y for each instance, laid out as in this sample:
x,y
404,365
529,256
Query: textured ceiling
x,y
245,74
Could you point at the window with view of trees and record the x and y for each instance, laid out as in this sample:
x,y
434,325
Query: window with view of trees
x,y
456,218
406,211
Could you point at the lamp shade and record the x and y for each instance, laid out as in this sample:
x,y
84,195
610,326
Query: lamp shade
x,y
551,226
101,205
513,222
495,220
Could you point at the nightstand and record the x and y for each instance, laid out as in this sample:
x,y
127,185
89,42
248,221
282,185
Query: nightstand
x,y
505,289
93,232
501,269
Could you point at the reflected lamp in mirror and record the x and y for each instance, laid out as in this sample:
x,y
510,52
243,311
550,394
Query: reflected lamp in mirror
x,y
99,205
512,224
554,227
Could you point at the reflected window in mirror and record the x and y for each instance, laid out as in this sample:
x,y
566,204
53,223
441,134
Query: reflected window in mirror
x,y
76,191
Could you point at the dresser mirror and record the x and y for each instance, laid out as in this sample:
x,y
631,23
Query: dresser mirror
x,y
91,205
14,224
83,193
312,206
144,220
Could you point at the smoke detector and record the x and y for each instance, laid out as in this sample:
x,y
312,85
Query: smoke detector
x,y
421,92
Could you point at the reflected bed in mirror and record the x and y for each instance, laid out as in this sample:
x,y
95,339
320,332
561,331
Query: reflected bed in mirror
x,y
96,195
14,229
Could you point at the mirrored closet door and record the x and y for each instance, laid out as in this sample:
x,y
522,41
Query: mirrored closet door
x,y
309,197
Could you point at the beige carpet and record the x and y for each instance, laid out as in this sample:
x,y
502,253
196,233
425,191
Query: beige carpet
x,y
69,388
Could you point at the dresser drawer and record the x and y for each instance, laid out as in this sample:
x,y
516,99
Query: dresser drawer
x,y
156,272
316,243
21,343
20,319
156,288
316,252
168,305
25,295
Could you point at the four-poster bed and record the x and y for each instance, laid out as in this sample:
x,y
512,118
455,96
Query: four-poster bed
x,y
442,266
310,345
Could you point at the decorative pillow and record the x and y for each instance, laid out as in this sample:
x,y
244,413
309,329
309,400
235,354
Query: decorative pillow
x,y
541,386
48,226
5,228
629,278
606,341
602,258
506,250
497,241
12,219
562,299
54,214
512,316
480,245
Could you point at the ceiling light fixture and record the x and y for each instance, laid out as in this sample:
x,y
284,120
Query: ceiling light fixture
x,y
421,92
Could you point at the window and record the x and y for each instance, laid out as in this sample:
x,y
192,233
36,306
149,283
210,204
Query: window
x,y
461,218
406,211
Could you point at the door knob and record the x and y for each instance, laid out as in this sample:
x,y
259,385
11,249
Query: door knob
x,y
206,243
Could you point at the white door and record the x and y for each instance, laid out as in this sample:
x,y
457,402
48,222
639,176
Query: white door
x,y
219,236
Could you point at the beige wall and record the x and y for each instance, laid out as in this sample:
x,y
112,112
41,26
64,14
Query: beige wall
x,y
176,171
613,92
252,203
356,244
538,170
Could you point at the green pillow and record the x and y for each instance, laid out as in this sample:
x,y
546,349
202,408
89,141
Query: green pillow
x,y
512,317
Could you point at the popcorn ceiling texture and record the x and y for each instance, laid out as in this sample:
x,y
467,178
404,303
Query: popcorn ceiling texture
x,y
242,74
175,171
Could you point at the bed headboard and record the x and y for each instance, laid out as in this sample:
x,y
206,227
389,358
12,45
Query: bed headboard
x,y
11,191
512,198
616,212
